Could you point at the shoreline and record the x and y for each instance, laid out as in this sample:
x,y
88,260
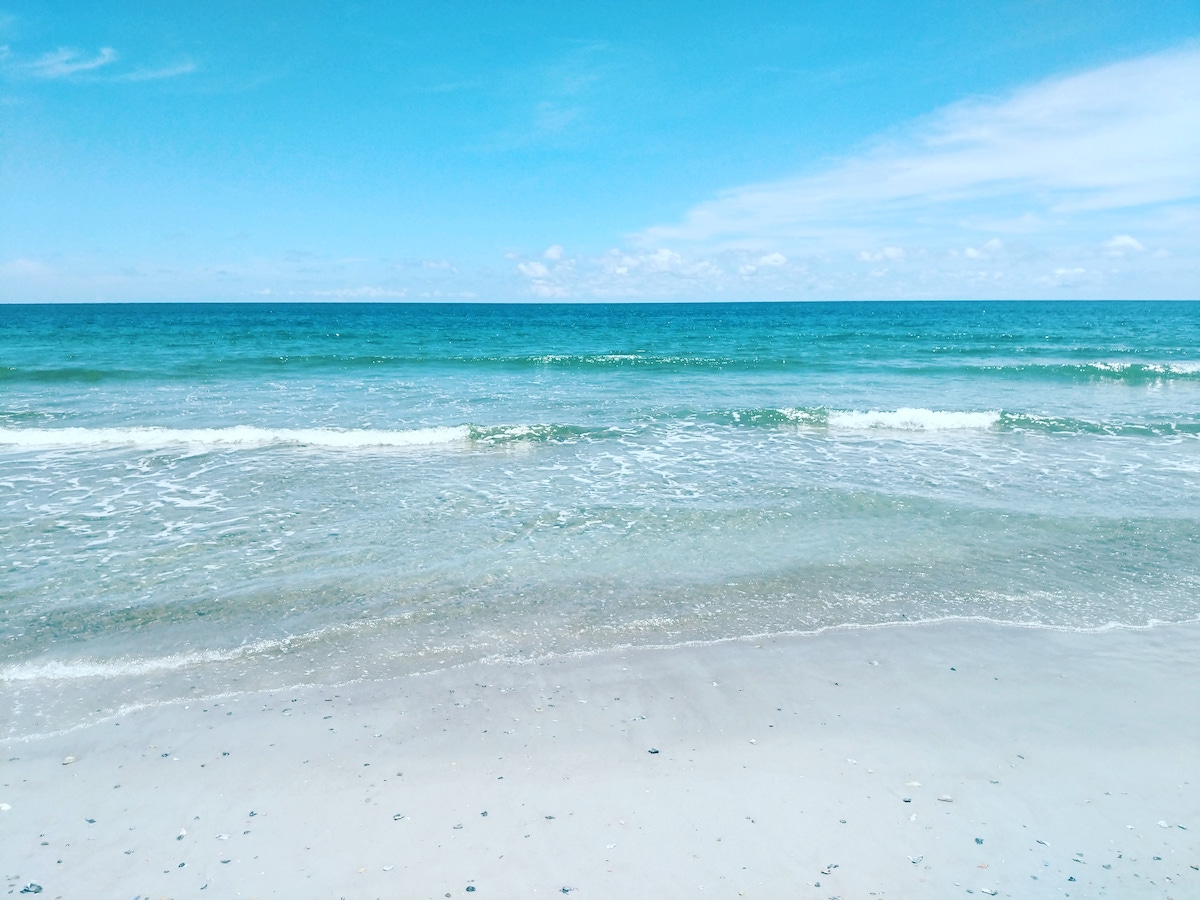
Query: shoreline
x,y
782,768
123,667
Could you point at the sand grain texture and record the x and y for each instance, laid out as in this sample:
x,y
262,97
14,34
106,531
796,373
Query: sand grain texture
x,y
788,767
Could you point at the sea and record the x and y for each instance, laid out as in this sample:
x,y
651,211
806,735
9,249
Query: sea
x,y
209,499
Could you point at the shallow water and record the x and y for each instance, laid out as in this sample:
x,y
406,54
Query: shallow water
x,y
203,498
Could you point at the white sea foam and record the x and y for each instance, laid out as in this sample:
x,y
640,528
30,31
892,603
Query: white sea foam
x,y
1184,367
81,669
914,419
236,436
87,668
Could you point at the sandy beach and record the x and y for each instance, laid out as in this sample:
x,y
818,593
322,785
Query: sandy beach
x,y
925,761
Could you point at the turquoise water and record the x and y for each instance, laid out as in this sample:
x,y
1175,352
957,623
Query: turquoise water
x,y
204,498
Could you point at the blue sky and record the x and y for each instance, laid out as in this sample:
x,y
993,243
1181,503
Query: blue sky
x,y
523,151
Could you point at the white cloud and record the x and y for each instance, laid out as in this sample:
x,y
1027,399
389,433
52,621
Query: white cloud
x,y
555,251
549,291
533,269
772,259
1123,136
174,71
1120,244
63,62
987,251
892,254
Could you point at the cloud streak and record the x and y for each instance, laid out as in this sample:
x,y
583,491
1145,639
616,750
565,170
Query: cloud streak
x,y
1116,138
68,64
64,62
174,71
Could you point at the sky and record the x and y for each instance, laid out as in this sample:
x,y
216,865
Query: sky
x,y
621,151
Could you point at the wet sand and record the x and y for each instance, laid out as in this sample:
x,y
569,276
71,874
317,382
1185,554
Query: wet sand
x,y
925,761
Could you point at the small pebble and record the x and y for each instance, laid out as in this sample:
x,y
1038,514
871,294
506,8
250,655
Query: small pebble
x,y
946,798
67,760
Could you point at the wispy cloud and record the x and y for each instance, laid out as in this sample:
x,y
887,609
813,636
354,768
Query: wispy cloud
x,y
65,62
1115,138
172,71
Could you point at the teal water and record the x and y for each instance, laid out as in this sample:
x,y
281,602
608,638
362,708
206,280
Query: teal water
x,y
204,498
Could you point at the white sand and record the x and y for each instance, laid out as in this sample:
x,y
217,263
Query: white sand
x,y
786,770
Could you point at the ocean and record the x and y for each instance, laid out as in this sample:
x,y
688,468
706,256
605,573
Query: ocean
x,y
216,498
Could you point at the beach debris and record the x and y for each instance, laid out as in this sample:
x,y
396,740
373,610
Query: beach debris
x,y
388,868
67,760
4,807
912,784
979,840
182,834
915,859
565,890
987,891
908,799
945,798
484,813
32,888
652,750
458,827
470,888
397,817
753,741
222,837
1162,824
90,821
